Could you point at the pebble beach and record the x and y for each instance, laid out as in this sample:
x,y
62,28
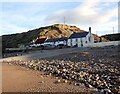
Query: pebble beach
x,y
93,70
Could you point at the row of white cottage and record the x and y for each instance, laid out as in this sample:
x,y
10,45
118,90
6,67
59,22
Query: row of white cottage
x,y
76,39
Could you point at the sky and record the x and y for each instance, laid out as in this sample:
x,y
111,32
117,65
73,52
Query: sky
x,y
17,17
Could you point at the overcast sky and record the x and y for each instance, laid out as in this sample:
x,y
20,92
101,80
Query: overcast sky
x,y
17,17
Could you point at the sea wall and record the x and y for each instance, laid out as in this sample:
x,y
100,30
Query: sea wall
x,y
102,44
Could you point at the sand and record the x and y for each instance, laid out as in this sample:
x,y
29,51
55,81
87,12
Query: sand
x,y
19,79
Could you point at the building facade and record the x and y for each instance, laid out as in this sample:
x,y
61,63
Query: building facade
x,y
56,41
81,39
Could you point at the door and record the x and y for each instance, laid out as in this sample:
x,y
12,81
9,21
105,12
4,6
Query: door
x,y
81,42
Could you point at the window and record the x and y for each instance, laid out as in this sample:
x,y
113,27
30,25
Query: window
x,y
76,41
81,42
89,39
71,42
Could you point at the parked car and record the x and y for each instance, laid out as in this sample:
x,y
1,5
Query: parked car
x,y
49,46
42,47
60,46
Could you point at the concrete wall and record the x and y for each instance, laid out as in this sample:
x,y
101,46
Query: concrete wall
x,y
102,44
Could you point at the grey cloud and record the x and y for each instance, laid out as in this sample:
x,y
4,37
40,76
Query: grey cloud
x,y
85,13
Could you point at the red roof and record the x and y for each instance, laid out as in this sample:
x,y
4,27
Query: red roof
x,y
40,41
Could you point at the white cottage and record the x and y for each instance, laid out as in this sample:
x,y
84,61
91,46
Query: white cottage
x,y
81,39
56,41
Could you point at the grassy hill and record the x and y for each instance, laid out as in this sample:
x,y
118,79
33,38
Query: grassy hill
x,y
112,37
53,31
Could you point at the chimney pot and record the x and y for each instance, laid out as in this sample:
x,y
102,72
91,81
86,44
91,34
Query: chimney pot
x,y
89,29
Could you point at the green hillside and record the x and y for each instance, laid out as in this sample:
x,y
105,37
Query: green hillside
x,y
112,37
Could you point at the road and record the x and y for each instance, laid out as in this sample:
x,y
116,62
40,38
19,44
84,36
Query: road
x,y
45,54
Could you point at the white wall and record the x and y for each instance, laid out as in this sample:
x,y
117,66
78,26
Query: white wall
x,y
73,41
56,43
91,39
102,44
79,42
60,42
68,42
52,43
83,41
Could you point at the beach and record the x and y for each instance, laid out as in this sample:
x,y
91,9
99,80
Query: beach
x,y
80,70
20,79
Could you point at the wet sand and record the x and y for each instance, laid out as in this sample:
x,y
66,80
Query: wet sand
x,y
20,79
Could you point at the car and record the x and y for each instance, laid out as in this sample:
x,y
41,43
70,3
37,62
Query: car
x,y
49,46
42,47
60,46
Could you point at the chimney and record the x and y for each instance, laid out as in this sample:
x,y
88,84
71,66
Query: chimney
x,y
90,29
